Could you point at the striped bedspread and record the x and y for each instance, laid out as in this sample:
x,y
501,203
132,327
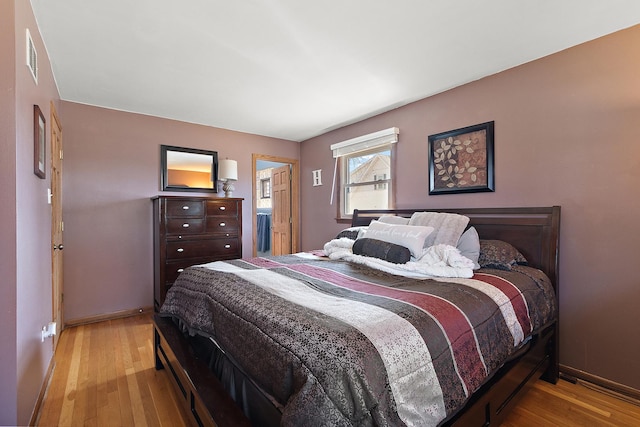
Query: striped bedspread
x,y
336,343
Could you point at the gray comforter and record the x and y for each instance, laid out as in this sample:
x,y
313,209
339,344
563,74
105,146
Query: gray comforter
x,y
336,343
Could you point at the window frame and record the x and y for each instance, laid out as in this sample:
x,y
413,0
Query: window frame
x,y
343,217
265,188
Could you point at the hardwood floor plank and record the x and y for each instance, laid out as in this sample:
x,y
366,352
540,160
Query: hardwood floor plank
x,y
105,375
126,414
68,404
52,406
567,404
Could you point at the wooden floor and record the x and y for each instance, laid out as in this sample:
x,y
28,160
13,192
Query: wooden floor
x,y
105,376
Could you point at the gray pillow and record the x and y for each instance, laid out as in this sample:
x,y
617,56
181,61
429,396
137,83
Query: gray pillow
x,y
350,233
394,219
469,246
500,255
382,250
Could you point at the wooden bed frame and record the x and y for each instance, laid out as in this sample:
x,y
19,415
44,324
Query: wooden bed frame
x,y
533,231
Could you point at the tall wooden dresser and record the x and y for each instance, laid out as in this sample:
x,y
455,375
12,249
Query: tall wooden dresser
x,y
189,231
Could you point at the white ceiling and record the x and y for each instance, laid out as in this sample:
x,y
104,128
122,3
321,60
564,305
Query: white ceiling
x,y
295,69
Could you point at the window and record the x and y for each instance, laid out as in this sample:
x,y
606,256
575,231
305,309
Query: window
x,y
377,178
366,166
265,188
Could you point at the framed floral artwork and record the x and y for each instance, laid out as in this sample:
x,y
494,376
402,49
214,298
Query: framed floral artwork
x,y
461,160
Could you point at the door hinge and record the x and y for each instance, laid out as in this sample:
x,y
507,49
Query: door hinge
x,y
61,225
61,155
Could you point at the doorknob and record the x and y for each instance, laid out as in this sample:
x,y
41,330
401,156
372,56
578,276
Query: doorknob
x,y
60,246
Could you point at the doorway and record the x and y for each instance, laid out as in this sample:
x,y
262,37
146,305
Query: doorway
x,y
270,187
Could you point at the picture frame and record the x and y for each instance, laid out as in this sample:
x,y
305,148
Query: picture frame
x,y
462,160
39,143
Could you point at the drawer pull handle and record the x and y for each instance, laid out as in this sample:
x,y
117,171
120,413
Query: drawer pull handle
x,y
227,246
185,225
222,224
186,208
222,208
180,270
180,250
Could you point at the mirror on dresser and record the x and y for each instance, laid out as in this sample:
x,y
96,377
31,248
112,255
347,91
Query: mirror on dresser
x,y
188,169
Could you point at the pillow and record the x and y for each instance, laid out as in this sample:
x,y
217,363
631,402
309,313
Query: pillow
x,y
448,227
500,255
394,219
383,250
411,237
469,246
351,232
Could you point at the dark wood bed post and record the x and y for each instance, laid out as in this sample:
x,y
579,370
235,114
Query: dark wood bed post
x,y
552,374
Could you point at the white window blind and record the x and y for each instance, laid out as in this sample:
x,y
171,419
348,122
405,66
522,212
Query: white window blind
x,y
361,143
365,142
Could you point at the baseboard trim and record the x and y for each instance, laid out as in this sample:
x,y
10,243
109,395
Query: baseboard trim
x,y
35,415
618,390
108,316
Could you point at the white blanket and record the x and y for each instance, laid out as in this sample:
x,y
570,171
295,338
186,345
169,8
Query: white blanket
x,y
437,261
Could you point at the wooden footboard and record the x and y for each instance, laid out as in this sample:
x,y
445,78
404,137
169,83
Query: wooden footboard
x,y
195,386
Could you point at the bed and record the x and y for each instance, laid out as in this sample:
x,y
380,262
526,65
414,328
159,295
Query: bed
x,y
242,350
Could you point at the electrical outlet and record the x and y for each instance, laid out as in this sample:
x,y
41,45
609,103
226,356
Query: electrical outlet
x,y
49,330
52,327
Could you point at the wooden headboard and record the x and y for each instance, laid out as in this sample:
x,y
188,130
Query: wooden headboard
x,y
534,232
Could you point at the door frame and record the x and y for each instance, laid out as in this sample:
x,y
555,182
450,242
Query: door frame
x,y
295,198
57,276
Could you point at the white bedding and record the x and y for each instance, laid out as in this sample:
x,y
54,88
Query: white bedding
x,y
438,261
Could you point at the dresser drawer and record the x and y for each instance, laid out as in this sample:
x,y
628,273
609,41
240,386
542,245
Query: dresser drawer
x,y
185,225
203,248
222,207
185,208
172,269
225,226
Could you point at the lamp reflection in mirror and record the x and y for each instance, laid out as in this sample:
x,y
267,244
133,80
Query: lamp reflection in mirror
x,y
228,172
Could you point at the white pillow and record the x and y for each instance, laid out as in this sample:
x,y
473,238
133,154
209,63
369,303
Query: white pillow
x,y
394,219
448,226
410,236
469,246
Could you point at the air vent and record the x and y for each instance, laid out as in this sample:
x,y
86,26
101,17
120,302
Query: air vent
x,y
32,57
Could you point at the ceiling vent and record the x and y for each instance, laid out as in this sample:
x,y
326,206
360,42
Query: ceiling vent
x,y
32,57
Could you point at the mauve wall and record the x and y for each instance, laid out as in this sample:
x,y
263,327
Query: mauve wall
x,y
8,395
25,217
566,133
111,171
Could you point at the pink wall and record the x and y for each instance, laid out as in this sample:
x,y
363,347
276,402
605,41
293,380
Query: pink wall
x,y
112,169
25,217
8,356
566,133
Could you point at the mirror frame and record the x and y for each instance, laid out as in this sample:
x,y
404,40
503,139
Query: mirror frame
x,y
164,174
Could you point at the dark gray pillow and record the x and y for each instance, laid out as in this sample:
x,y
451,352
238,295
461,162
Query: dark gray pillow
x,y
383,250
499,254
350,233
